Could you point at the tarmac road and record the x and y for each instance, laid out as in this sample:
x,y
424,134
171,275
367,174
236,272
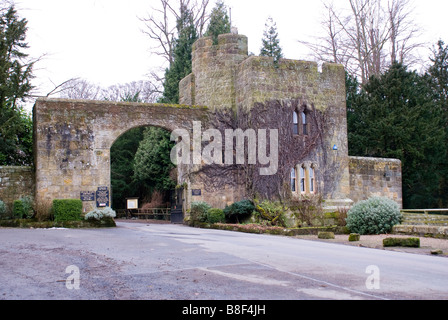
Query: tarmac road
x,y
139,261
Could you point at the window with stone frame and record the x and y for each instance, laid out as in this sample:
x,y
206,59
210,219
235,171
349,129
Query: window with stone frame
x,y
312,181
302,179
295,123
294,180
305,126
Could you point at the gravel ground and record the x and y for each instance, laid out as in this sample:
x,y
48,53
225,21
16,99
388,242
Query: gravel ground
x,y
376,242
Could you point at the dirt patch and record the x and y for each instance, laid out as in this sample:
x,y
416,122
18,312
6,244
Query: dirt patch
x,y
376,242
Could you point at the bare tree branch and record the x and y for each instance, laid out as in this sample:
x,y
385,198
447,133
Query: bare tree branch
x,y
363,37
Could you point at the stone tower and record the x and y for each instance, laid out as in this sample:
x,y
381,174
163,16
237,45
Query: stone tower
x,y
224,76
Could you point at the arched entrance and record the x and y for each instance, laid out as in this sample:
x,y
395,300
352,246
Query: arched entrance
x,y
73,139
143,177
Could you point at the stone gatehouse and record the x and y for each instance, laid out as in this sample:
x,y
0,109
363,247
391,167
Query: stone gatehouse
x,y
227,89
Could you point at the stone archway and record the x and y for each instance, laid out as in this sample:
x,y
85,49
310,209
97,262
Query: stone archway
x,y
73,139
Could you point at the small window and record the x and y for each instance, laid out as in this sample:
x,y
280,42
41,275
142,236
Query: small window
x,y
305,123
302,180
312,180
293,180
295,123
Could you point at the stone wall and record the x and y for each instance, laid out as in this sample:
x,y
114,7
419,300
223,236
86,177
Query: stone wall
x,y
375,177
15,182
73,139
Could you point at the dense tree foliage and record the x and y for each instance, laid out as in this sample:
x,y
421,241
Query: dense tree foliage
x,y
181,66
395,115
152,162
15,86
219,22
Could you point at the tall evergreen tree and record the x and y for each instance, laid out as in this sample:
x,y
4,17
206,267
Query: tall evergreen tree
x,y
270,42
395,116
219,22
15,86
438,80
182,65
152,163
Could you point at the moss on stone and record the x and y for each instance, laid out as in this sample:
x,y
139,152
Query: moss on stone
x,y
402,242
326,235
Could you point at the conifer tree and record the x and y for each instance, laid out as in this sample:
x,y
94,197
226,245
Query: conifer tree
x,y
182,65
438,80
15,86
395,116
219,22
271,43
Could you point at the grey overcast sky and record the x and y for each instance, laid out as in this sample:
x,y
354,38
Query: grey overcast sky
x,y
102,40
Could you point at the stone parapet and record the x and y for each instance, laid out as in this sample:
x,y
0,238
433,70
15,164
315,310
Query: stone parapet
x,y
375,177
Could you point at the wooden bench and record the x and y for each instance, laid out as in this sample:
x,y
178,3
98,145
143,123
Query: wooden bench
x,y
152,213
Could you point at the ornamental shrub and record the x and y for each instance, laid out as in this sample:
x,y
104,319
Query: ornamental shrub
x,y
272,211
376,215
215,216
67,209
2,208
99,214
239,211
198,211
23,208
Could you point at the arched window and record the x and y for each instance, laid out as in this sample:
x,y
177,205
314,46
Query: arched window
x,y
295,123
302,179
305,123
293,180
312,180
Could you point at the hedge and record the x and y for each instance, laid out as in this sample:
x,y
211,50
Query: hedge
x,y
67,209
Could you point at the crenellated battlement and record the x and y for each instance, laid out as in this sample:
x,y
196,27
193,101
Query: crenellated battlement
x,y
225,76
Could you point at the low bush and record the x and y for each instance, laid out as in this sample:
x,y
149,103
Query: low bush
x,y
100,214
377,215
2,209
272,211
198,211
239,211
67,209
23,208
215,216
308,210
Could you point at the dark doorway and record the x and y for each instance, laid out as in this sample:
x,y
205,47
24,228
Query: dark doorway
x,y
177,215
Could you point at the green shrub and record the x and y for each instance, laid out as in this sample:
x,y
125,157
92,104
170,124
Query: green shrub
x,y
215,216
376,215
67,209
239,211
402,242
2,209
23,208
198,211
272,211
100,214
308,210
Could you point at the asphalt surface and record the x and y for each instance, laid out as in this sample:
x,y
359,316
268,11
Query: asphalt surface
x,y
139,261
